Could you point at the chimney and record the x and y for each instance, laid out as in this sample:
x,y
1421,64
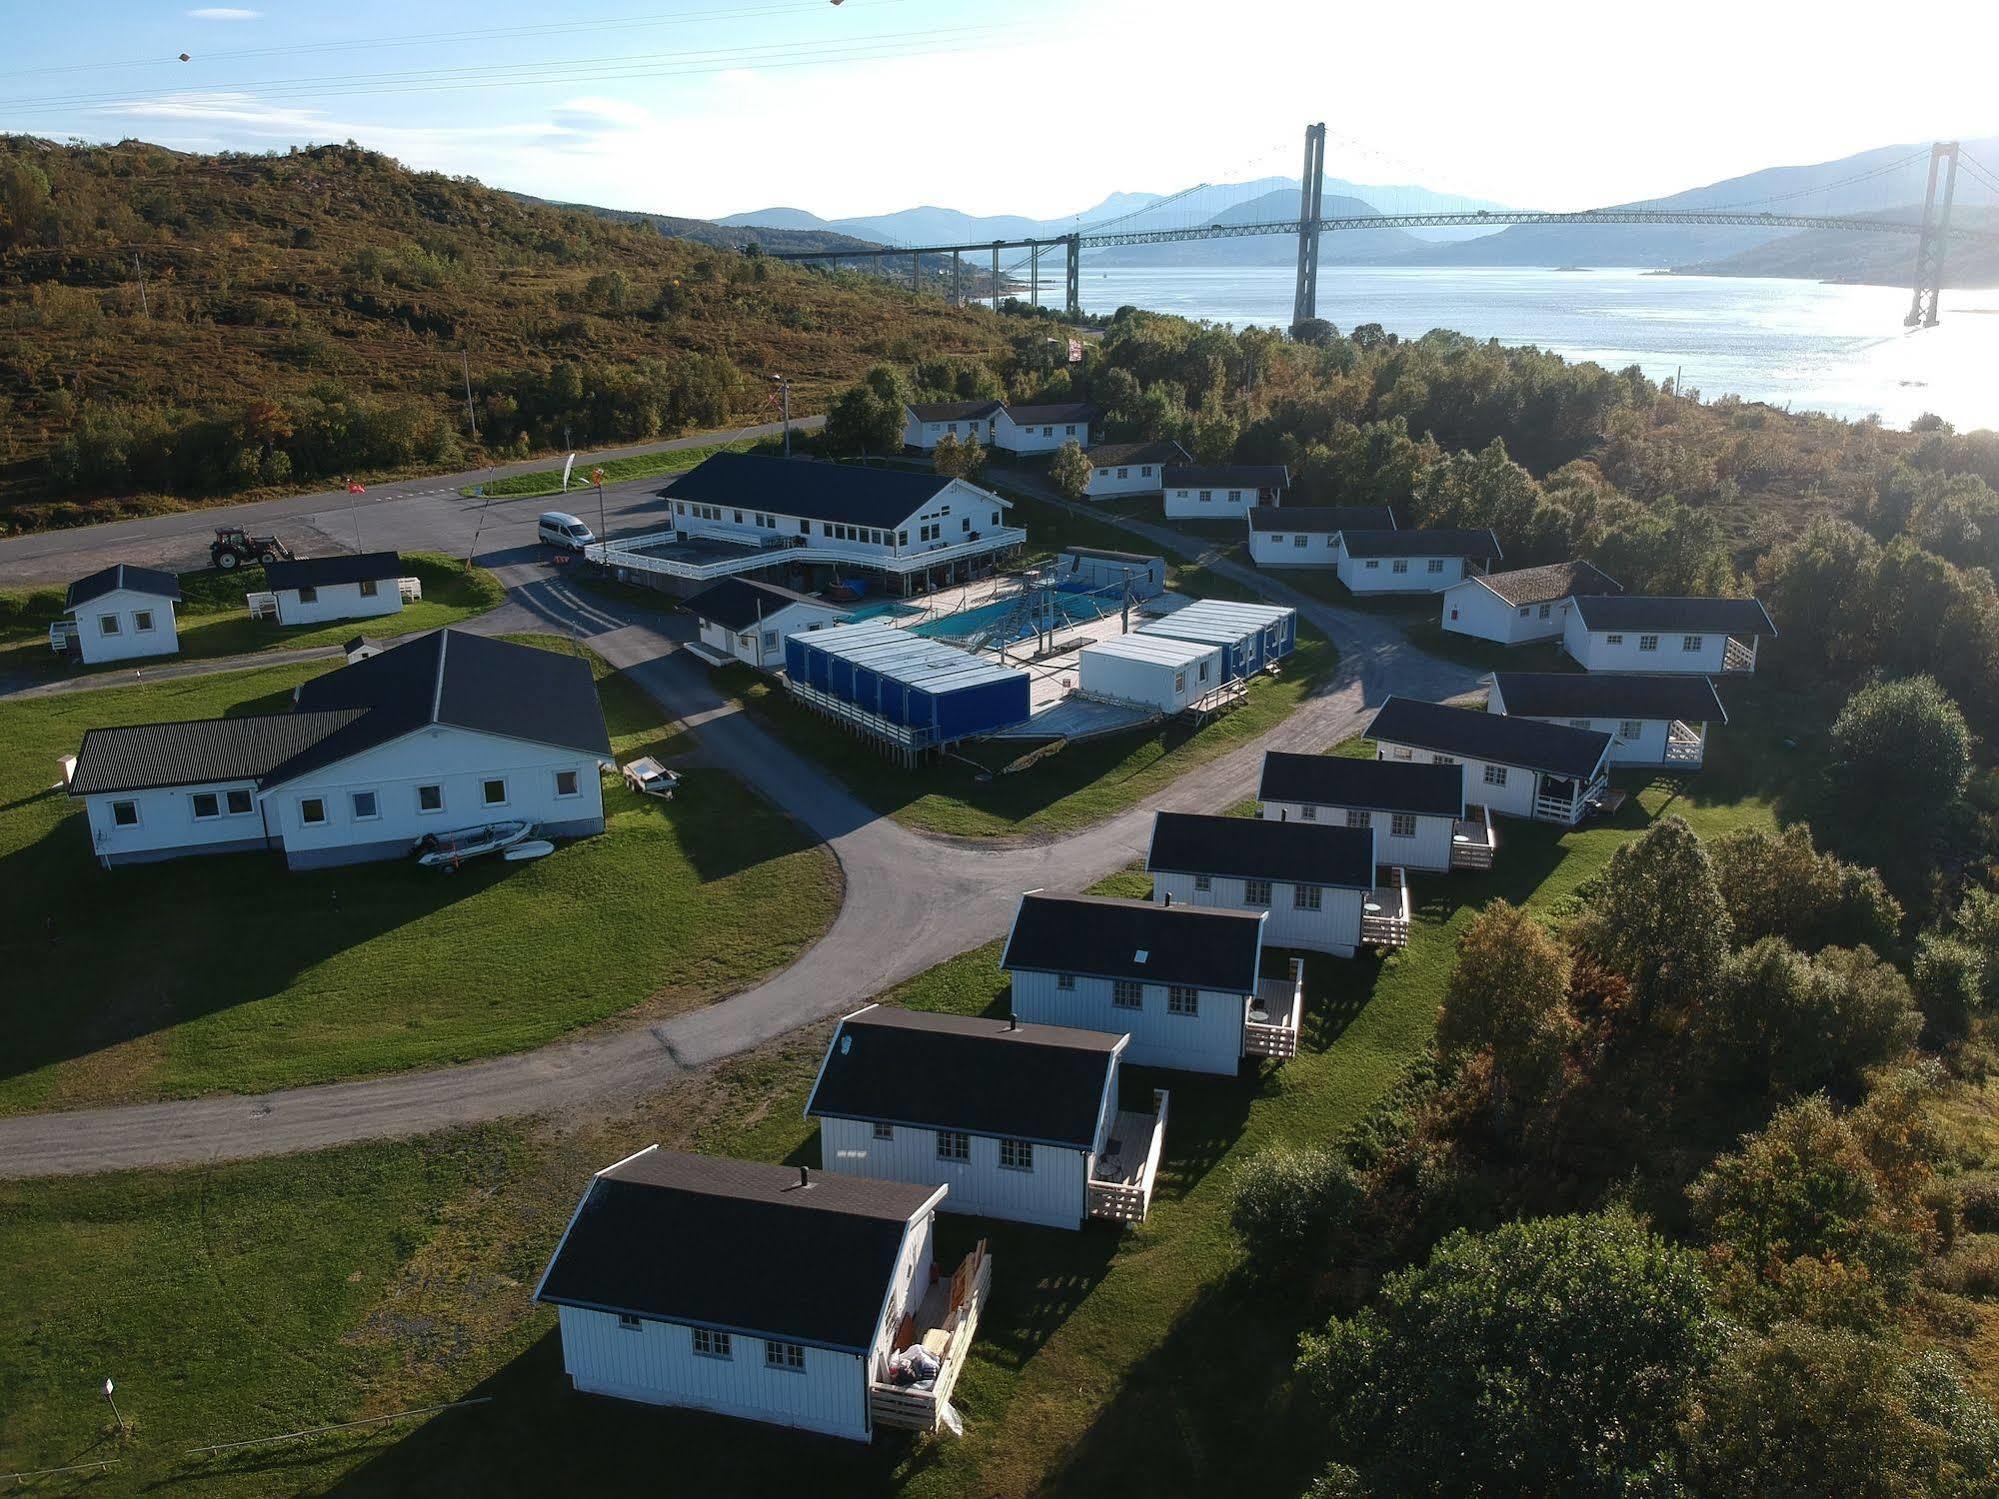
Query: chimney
x,y
1283,814
1013,1022
1169,897
804,1177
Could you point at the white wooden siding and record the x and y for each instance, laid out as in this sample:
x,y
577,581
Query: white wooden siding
x,y
1223,502
1054,1193
1042,437
124,606
926,435
1280,549
657,1364
1515,798
1430,848
1126,478
339,601
955,512
1378,574
1333,928
1210,1041
167,825
1646,747
1620,650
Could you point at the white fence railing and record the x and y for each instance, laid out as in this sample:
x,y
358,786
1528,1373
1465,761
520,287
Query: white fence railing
x,y
629,554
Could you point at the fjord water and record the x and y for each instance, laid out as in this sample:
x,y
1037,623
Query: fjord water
x,y
1839,349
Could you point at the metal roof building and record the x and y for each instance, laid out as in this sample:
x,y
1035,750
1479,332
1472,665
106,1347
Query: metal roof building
x,y
907,692
1160,671
1253,637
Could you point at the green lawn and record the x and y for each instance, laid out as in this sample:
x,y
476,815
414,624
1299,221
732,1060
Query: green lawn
x,y
548,481
213,622
264,1296
230,974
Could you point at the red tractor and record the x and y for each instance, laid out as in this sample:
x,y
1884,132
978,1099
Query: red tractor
x,y
233,547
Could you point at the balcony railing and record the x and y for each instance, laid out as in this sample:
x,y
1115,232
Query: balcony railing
x,y
953,1308
1738,657
1473,841
1120,1187
629,554
1685,746
1273,1015
1384,915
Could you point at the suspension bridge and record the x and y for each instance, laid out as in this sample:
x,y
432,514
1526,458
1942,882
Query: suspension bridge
x,y
1933,231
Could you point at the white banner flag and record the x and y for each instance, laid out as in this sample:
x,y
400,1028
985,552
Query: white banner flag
x,y
1075,351
566,467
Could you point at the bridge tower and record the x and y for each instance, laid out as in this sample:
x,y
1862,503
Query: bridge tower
x,y
1074,242
1935,238
1311,201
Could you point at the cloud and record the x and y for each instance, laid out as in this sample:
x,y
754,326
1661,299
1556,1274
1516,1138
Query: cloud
x,y
225,13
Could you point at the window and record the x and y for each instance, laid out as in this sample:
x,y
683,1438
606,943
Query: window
x,y
1401,752
953,1145
1400,565
125,814
1579,723
1207,496
1692,642
312,811
1495,775
884,1131
1402,825
1050,431
1256,892
107,624
368,588
1436,759
206,805
1358,819
142,621
902,538
1523,611
567,783
494,791
430,798
1124,473
1128,994
1308,813
1183,1000
787,1356
1372,564
1069,431
1017,1155
739,517
628,1323
1145,471
308,595
1613,640
1277,538
1298,541
1435,565
1179,681
1648,642
1631,728
1305,897
1066,982
1546,610
1235,496
238,802
366,806
1204,882
712,1344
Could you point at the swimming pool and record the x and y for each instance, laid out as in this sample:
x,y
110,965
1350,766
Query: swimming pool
x,y
880,608
1070,609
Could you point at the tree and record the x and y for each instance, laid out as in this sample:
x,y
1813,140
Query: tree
x,y
1285,1204
1949,978
1778,884
945,458
1904,746
867,417
1069,470
1508,995
1657,917
1546,1357
1977,922
1788,1023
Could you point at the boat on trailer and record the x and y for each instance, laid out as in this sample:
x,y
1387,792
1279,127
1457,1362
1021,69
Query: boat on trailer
x,y
449,850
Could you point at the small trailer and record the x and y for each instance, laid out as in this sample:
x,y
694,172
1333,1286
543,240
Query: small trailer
x,y
648,777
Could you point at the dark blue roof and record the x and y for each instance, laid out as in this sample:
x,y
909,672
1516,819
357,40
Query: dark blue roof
x,y
879,497
325,572
1474,734
123,575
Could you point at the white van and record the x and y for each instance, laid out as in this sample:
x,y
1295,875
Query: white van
x,y
566,531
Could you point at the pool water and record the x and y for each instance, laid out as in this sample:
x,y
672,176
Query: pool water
x,y
878,609
1070,609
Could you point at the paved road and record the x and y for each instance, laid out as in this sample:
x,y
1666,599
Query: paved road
x,y
912,901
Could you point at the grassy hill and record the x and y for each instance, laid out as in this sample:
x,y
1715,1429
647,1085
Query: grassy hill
x,y
189,326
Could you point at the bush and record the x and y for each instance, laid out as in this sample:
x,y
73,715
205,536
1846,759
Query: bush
x,y
1949,982
1285,1205
1978,1201
1778,884
1971,1268
1904,745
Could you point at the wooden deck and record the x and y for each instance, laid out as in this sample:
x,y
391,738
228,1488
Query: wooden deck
x,y
1272,1016
1384,915
1120,1187
952,1305
1472,841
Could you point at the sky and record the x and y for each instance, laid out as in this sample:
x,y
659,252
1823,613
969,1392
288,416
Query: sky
x,y
1037,107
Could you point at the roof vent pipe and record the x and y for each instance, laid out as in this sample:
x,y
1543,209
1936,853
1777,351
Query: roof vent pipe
x,y
1013,1022
804,1177
1169,897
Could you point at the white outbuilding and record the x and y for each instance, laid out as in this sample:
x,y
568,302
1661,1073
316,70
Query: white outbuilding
x,y
1020,1121
767,1293
1308,535
925,424
1524,605
120,613
1651,720
742,619
1130,467
1514,766
1697,636
1418,561
1043,429
1418,810
353,585
1223,491
1152,671
1253,637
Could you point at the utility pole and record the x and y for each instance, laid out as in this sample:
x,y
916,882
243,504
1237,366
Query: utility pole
x,y
1075,292
140,266
996,290
957,279
465,364
1311,202
783,383
1935,237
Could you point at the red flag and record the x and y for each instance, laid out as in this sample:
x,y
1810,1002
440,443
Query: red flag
x,y
355,489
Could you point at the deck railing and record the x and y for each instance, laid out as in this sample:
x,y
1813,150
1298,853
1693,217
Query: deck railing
x,y
1128,1202
262,605
1684,747
1737,657
1281,997
1387,926
629,555
1473,842
411,589
922,1410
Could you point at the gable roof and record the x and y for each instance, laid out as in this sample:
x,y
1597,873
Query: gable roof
x,y
1135,939
1598,694
1061,411
1110,454
975,1073
1548,583
882,498
141,757
950,411
1365,785
738,603
122,575
1228,476
1472,733
1627,611
1255,848
1321,519
325,572
737,1246
1434,541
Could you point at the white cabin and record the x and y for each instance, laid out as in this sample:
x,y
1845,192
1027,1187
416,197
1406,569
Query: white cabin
x,y
766,1293
1514,766
744,620
1182,982
1422,561
1308,535
1698,637
318,590
1019,1121
1152,671
1130,467
1417,811
1660,721
120,613
447,732
1315,883
1043,429
926,424
1525,605
1223,491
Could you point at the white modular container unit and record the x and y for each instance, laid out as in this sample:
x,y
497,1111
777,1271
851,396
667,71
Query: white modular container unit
x,y
1252,637
1153,670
